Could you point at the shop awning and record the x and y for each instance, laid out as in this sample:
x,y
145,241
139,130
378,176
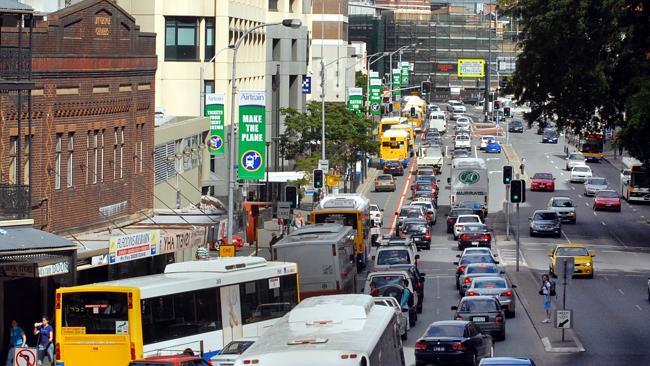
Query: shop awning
x,y
283,177
25,240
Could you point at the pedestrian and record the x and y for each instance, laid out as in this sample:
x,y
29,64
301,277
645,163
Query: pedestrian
x,y
406,299
296,223
301,221
17,338
374,291
545,291
45,335
281,224
522,166
188,352
620,149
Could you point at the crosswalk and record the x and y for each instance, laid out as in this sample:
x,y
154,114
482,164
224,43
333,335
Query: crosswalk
x,y
508,256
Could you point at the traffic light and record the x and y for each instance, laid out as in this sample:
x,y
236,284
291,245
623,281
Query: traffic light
x,y
425,88
503,82
318,178
507,174
518,191
497,104
291,195
506,111
413,112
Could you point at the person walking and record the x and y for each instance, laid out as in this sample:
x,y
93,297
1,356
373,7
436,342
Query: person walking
x,y
17,338
45,334
545,291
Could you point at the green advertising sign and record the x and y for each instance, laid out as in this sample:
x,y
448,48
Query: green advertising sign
x,y
252,135
355,100
405,70
214,104
375,96
397,82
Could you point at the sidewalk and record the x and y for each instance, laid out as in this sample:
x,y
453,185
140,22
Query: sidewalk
x,y
531,305
611,156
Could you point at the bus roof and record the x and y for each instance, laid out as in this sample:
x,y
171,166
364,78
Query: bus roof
x,y
394,119
195,275
350,323
631,163
316,234
395,133
476,163
344,200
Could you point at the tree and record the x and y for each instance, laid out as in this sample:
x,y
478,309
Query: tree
x,y
346,135
361,81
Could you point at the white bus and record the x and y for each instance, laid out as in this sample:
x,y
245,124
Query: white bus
x,y
193,304
336,330
469,181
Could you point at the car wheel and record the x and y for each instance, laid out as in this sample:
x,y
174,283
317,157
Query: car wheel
x,y
405,336
649,294
502,336
591,275
574,221
619,209
558,235
511,314
551,272
532,233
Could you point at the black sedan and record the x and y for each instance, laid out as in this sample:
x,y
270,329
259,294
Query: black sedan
x,y
550,137
516,126
474,235
452,342
476,206
419,230
453,215
394,168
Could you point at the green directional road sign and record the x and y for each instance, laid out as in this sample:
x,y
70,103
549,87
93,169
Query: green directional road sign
x,y
397,82
252,135
405,70
375,96
214,104
355,100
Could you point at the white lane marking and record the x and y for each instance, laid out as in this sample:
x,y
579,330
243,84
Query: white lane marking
x,y
603,222
495,171
634,209
401,201
621,291
586,203
643,217
561,173
437,287
475,152
579,196
566,237
556,167
574,188
595,214
605,277
552,162
638,307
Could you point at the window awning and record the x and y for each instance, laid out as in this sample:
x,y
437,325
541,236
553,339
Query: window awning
x,y
27,240
283,177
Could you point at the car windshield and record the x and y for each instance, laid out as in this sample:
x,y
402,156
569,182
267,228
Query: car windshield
x,y
545,216
464,219
415,228
385,280
550,133
410,212
482,268
542,176
393,256
468,259
516,123
447,330
478,305
460,211
374,208
571,251
607,194
491,283
562,202
576,157
385,177
236,347
469,228
470,204
581,169
597,181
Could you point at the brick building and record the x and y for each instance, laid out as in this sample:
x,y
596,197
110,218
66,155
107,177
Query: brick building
x,y
92,114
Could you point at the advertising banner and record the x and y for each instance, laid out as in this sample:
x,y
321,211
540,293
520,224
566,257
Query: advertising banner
x,y
397,82
471,68
214,107
125,248
405,69
252,135
355,100
375,96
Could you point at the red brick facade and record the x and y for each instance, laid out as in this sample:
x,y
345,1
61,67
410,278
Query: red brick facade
x,y
94,73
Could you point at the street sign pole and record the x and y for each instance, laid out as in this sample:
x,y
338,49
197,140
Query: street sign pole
x,y
507,212
564,280
518,235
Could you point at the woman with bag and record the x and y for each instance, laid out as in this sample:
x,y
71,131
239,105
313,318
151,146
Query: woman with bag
x,y
545,291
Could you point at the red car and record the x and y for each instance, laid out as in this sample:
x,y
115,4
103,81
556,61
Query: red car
x,y
542,182
175,360
607,200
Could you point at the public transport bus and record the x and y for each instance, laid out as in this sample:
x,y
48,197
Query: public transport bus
x,y
635,181
201,305
387,122
394,145
414,112
347,209
335,330
411,135
591,146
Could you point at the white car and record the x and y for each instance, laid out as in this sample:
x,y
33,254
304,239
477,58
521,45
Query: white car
x,y
402,318
455,106
232,351
465,219
429,208
463,142
580,173
478,250
575,159
376,215
485,139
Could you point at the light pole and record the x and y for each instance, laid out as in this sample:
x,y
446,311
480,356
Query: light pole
x,y
232,181
202,78
390,65
368,64
323,65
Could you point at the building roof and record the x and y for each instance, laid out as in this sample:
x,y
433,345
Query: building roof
x,y
13,6
20,239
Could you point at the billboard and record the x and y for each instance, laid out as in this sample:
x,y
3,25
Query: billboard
x,y
471,68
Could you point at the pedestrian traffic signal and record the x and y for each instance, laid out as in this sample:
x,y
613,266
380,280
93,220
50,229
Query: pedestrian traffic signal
x,y
507,174
506,111
291,195
497,104
518,191
318,178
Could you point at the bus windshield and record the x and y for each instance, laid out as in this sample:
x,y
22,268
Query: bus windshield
x,y
345,219
96,312
386,126
592,146
640,180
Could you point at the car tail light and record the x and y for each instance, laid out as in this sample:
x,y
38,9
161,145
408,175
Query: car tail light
x,y
463,237
458,226
457,346
468,280
499,319
458,317
421,346
507,293
471,293
427,236
132,347
461,268
57,351
486,237
58,300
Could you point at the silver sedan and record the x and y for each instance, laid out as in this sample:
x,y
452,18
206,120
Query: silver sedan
x,y
498,287
595,184
476,270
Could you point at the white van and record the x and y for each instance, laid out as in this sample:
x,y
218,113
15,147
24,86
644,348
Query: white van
x,y
438,121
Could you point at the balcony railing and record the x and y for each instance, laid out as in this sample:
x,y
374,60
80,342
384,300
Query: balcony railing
x,y
15,63
14,202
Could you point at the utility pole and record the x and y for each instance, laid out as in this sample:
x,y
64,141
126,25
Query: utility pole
x,y
488,77
507,212
518,236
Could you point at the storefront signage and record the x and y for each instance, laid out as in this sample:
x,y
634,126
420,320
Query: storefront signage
x,y
355,100
176,240
214,109
125,248
252,135
62,267
34,270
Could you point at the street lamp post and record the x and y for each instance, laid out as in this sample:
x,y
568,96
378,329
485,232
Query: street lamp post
x,y
202,79
390,65
232,182
368,64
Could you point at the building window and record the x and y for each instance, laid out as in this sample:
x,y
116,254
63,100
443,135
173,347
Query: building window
x,y
164,160
69,172
13,141
209,86
141,148
115,143
121,152
181,39
26,148
95,155
88,135
209,38
57,161
101,155
273,5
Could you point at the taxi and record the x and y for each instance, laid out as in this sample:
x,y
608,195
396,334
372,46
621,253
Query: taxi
x,y
583,259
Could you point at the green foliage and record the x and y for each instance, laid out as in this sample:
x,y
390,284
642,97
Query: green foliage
x,y
345,134
361,81
585,58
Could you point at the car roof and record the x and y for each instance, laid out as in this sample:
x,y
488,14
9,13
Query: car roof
x,y
506,361
561,198
544,211
414,221
472,215
571,245
489,278
394,272
480,297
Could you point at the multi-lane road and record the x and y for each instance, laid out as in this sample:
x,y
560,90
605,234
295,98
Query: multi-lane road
x,y
611,311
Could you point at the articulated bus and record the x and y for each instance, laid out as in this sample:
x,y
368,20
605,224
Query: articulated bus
x,y
336,330
411,135
394,145
386,123
591,146
348,210
201,305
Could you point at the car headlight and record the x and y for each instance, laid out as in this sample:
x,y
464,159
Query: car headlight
x,y
587,264
572,213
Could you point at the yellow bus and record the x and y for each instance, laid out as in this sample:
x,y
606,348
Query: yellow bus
x,y
414,111
202,305
394,145
386,123
411,135
348,210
